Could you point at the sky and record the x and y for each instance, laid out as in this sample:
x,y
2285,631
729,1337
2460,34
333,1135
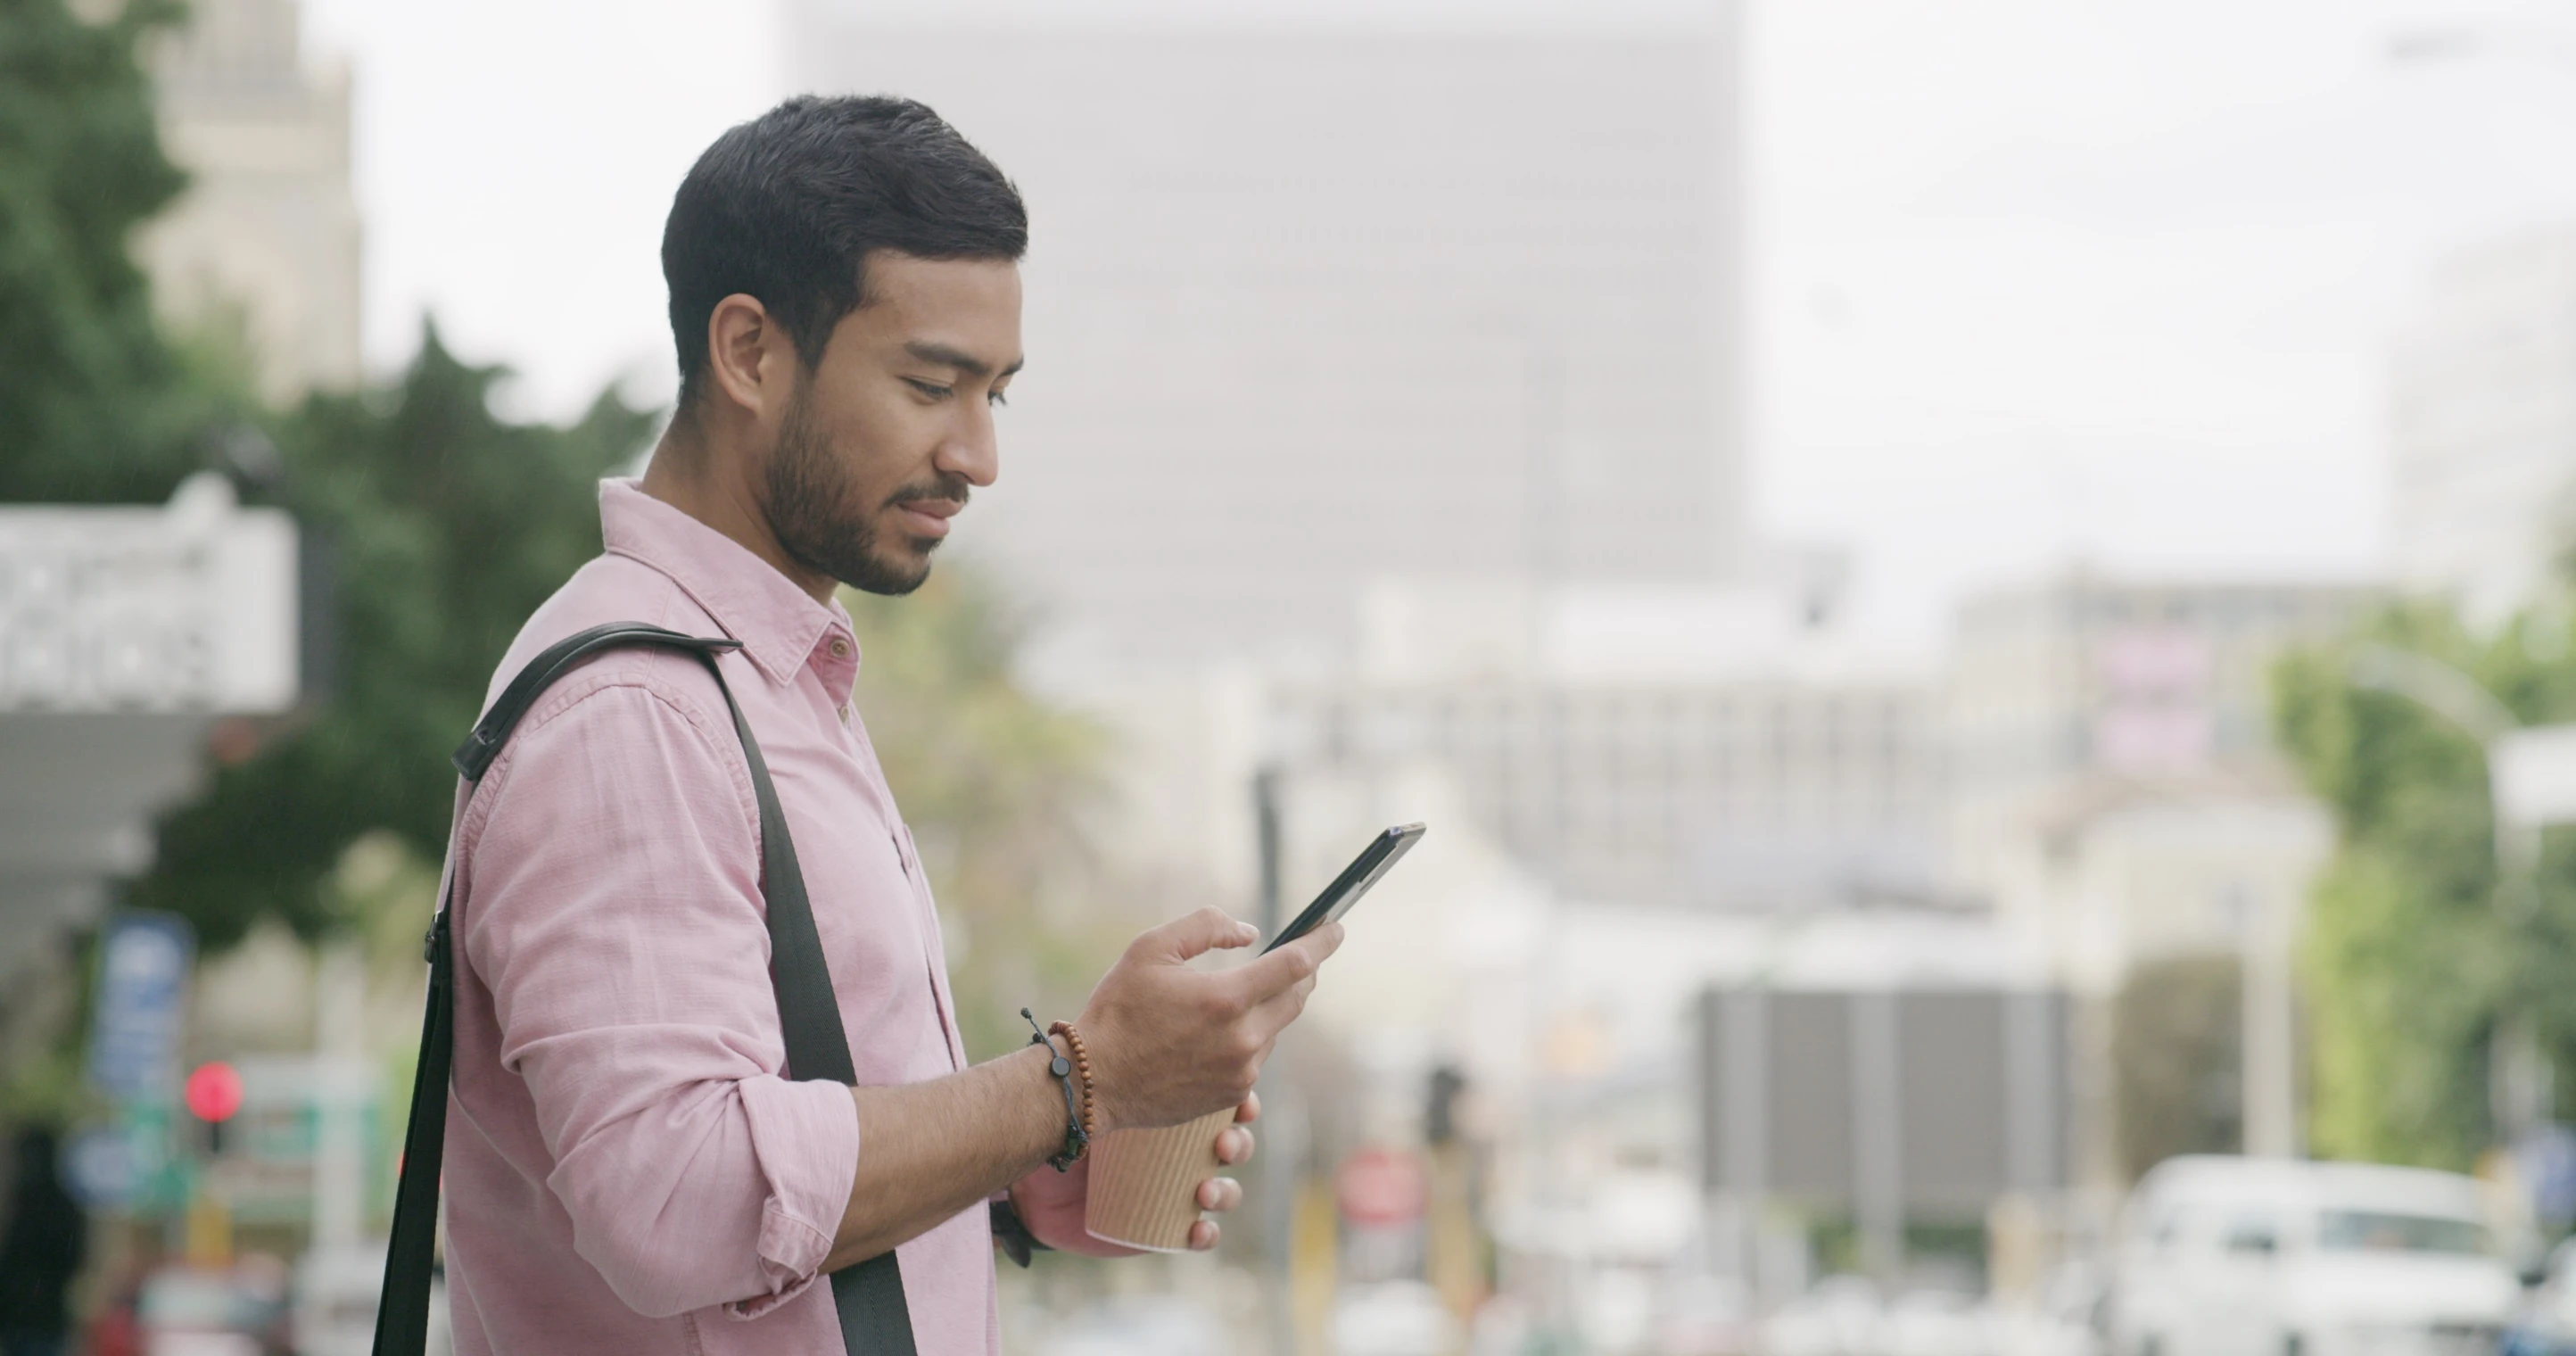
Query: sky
x,y
2033,283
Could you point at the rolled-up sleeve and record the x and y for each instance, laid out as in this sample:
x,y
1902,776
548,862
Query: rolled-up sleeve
x,y
611,905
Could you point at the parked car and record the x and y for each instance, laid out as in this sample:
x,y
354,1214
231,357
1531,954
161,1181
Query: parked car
x,y
2253,1257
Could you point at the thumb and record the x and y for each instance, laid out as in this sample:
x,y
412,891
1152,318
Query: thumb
x,y
1194,934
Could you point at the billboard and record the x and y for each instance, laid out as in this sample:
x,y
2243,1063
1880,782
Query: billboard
x,y
1937,1101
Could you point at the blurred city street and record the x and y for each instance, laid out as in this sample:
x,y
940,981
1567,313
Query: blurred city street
x,y
1979,599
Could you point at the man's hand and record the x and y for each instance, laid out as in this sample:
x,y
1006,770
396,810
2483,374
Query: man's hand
x,y
1051,1202
1169,1043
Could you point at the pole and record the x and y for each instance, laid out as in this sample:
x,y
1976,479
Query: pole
x,y
1279,1095
2265,1029
1878,1137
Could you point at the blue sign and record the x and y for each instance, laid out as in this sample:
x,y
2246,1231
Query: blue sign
x,y
142,1005
99,1168
2545,1160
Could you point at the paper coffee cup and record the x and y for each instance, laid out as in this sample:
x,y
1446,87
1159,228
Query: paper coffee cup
x,y
1144,1190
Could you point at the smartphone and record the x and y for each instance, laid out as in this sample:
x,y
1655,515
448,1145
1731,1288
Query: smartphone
x,y
1379,857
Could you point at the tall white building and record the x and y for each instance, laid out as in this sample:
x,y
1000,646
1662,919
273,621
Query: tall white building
x,y
263,245
1313,304
2484,424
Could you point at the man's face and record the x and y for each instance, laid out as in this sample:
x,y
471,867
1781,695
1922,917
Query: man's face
x,y
894,426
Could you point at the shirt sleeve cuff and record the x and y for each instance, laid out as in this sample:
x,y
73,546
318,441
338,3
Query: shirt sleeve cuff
x,y
807,1138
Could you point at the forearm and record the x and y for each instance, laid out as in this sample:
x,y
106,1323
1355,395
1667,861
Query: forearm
x,y
929,1150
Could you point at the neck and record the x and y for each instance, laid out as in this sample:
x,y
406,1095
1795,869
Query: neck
x,y
715,486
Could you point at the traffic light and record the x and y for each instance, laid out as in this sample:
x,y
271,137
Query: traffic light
x,y
1440,1123
213,1094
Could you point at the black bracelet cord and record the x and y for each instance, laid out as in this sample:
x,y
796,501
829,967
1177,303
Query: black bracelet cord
x,y
1076,1140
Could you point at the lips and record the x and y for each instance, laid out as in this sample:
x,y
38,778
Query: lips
x,y
929,517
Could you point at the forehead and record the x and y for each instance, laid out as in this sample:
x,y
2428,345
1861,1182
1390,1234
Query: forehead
x,y
971,305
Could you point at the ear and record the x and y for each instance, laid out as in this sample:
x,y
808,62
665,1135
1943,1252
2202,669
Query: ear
x,y
749,356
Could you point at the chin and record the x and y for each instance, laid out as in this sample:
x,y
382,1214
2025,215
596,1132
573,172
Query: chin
x,y
895,578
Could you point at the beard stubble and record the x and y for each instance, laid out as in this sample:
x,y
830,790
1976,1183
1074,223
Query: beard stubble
x,y
816,510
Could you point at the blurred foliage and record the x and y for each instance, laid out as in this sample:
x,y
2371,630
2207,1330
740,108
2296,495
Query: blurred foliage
x,y
95,404
2176,1061
997,786
2408,961
443,527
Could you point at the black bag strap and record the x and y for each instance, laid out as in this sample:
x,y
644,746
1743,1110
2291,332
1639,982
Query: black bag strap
x,y
869,1295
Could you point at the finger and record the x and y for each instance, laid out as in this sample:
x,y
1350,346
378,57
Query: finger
x,y
1203,1235
1250,1111
1195,933
1273,1014
1233,1145
1220,1193
1289,965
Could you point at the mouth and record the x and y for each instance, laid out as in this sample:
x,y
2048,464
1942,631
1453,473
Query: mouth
x,y
928,517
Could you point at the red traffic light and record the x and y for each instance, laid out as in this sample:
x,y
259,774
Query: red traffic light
x,y
214,1092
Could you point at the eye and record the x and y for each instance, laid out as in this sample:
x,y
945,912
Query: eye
x,y
996,398
929,389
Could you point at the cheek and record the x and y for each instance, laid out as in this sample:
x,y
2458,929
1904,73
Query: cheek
x,y
884,441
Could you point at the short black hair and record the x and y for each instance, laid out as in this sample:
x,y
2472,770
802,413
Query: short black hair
x,y
786,208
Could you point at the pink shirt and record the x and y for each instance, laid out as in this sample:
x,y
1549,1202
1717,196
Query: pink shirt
x,y
626,1169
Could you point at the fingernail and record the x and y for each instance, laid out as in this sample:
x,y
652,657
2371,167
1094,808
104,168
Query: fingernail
x,y
1247,931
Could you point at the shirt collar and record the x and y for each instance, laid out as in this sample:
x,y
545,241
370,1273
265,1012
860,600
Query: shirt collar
x,y
780,625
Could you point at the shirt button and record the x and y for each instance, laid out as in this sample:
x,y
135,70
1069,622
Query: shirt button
x,y
840,648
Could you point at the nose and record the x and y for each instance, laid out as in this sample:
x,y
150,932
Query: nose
x,y
971,449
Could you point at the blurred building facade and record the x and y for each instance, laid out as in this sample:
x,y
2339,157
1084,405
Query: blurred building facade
x,y
2483,424
262,248
2117,794
2062,686
1698,749
1315,303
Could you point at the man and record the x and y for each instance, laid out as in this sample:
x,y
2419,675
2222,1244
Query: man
x,y
626,1168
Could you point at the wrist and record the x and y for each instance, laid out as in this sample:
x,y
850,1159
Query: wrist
x,y
1099,1043
1087,1106
1069,1070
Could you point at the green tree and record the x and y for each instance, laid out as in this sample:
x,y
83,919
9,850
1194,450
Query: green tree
x,y
95,405
2409,964
444,526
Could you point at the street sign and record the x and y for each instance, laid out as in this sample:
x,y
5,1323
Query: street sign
x,y
1383,1187
188,606
214,1092
2545,1161
99,1169
142,999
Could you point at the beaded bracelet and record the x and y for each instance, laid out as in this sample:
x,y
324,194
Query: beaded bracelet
x,y
1081,1062
1077,1127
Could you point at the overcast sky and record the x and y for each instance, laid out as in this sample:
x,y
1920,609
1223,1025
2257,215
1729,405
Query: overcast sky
x,y
2034,281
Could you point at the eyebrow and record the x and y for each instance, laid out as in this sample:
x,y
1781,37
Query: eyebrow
x,y
960,359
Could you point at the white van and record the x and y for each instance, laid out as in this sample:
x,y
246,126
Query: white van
x,y
2274,1257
